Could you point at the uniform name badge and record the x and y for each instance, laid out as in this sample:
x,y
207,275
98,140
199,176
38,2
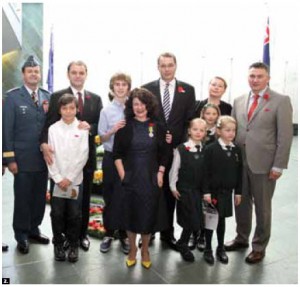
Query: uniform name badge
x,y
211,217
72,192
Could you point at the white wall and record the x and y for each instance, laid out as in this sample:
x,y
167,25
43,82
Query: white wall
x,y
209,37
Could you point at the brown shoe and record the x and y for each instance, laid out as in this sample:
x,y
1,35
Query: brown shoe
x,y
255,257
235,245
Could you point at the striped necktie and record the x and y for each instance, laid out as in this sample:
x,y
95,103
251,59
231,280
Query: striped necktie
x,y
34,98
166,102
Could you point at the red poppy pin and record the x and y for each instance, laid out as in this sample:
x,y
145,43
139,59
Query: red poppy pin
x,y
266,97
180,89
187,148
88,97
214,201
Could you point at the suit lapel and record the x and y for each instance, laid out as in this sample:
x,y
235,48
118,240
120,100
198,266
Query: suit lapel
x,y
27,96
175,100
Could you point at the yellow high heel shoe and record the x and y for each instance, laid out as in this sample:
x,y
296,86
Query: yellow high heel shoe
x,y
146,264
130,263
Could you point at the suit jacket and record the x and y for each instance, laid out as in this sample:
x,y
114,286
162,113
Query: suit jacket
x,y
22,125
91,112
266,139
182,110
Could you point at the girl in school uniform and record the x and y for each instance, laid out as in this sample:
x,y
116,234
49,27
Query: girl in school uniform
x,y
223,175
210,113
186,177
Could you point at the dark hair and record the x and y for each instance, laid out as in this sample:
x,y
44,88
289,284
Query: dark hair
x,y
67,99
166,55
221,79
147,98
77,63
260,65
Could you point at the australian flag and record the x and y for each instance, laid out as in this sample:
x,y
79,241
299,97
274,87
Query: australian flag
x,y
50,69
266,53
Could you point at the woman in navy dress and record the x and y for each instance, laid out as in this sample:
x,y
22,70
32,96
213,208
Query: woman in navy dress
x,y
141,154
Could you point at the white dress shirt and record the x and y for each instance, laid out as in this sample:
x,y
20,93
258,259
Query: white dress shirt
x,y
71,149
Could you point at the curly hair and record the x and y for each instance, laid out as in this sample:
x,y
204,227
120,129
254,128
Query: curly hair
x,y
147,98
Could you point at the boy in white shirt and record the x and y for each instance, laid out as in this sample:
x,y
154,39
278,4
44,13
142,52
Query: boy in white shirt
x,y
70,145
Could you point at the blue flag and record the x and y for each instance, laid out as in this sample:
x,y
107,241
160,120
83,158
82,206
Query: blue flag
x,y
266,53
50,69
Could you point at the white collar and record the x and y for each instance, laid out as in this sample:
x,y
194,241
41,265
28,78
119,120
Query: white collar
x,y
223,145
192,146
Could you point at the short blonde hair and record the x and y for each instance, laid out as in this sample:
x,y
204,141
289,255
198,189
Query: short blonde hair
x,y
224,120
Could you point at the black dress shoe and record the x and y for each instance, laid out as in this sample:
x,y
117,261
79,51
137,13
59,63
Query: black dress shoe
x,y
73,254
221,255
85,243
170,240
185,252
201,244
23,246
39,238
235,245
4,247
208,257
59,252
255,257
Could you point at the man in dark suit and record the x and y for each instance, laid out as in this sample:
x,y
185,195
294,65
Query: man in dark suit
x,y
24,113
176,107
89,106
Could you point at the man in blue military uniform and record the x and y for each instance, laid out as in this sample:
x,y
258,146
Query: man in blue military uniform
x,y
24,113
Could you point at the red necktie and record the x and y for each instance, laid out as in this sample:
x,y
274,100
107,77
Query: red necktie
x,y
80,103
253,107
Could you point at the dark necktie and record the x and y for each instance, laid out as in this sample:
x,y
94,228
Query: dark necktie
x,y
80,103
197,147
34,98
166,102
228,147
253,107
228,151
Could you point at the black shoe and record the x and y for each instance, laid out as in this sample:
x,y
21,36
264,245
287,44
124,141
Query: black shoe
x,y
201,244
185,252
170,240
208,257
192,243
66,244
221,255
23,246
4,247
73,254
125,245
85,243
235,245
106,244
59,252
39,238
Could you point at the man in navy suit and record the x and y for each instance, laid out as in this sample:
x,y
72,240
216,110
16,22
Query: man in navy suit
x,y
176,107
24,113
91,105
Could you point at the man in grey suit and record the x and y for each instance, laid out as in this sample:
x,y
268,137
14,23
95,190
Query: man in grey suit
x,y
264,134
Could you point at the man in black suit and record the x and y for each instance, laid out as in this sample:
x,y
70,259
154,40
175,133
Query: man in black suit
x,y
176,108
89,106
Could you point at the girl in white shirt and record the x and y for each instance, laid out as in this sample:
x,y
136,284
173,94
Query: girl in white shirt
x,y
70,145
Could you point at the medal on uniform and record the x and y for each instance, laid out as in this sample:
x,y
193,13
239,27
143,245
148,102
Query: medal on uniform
x,y
151,134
